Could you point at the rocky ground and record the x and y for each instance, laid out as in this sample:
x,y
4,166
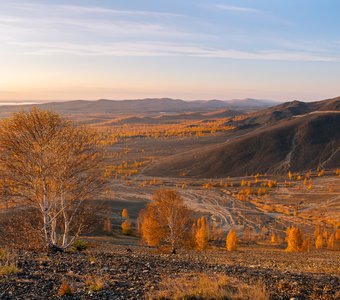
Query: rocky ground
x,y
133,274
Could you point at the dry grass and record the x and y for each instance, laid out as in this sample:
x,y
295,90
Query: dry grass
x,y
203,286
8,269
8,263
94,284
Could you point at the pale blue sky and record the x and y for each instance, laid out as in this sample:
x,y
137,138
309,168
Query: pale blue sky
x,y
190,49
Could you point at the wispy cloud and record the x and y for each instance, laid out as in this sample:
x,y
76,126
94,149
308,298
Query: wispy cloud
x,y
77,9
149,49
232,8
49,29
63,23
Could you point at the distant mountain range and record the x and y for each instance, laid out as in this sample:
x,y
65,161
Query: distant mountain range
x,y
148,106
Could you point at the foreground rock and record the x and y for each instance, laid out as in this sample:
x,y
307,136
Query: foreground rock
x,y
132,275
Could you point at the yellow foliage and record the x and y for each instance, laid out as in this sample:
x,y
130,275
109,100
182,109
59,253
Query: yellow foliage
x,y
125,213
152,232
325,234
290,175
232,240
243,183
331,242
321,173
317,231
186,129
272,183
294,239
202,232
337,234
274,238
127,227
319,242
166,219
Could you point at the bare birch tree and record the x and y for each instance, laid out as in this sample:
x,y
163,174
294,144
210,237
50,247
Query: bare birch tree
x,y
54,165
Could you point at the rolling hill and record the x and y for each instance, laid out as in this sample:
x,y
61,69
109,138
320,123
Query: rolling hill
x,y
293,136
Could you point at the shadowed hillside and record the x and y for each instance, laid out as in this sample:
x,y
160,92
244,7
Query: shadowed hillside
x,y
309,140
287,110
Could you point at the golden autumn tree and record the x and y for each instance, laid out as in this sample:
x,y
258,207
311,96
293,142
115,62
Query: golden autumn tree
x,y
232,240
202,234
294,239
166,220
319,242
331,242
151,233
126,227
337,234
53,165
125,213
126,224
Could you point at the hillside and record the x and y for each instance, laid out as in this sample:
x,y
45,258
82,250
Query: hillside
x,y
287,110
305,138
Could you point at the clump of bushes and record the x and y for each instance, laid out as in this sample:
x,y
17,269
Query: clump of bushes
x,y
65,289
94,284
79,246
126,224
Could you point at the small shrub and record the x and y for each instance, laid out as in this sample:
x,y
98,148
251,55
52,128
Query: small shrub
x,y
8,269
79,246
125,213
126,227
232,240
8,263
94,284
65,289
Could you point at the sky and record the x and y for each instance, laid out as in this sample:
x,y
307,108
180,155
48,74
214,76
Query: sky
x,y
187,49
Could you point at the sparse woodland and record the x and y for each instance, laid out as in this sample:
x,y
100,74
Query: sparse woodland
x,y
59,185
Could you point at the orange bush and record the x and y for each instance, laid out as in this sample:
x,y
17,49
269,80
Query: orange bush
x,y
294,239
232,240
201,236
